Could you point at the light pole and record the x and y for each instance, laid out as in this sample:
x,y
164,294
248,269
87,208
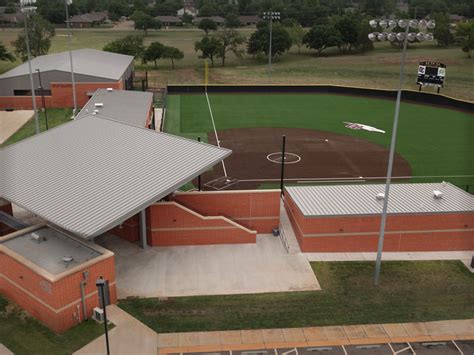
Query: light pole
x,y
66,4
26,8
100,283
43,101
404,37
271,15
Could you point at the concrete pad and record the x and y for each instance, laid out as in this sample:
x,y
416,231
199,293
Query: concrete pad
x,y
188,339
168,340
293,334
11,122
208,270
273,336
128,337
395,330
355,331
439,328
4,350
314,334
252,336
416,329
335,333
209,338
374,331
231,337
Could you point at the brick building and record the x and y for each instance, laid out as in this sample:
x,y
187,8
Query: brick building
x,y
93,69
346,218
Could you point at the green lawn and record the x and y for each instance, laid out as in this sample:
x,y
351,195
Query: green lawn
x,y
408,292
435,141
55,118
27,336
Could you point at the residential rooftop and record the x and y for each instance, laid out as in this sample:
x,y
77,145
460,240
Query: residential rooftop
x,y
314,201
86,61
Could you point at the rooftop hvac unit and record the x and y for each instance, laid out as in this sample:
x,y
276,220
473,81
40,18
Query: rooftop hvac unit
x,y
36,237
98,315
110,89
437,194
380,196
99,104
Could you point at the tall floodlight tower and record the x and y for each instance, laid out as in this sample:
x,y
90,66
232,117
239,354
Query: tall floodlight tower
x,y
69,36
271,15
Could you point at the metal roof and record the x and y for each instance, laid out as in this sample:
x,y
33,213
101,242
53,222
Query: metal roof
x,y
337,200
126,106
86,61
89,175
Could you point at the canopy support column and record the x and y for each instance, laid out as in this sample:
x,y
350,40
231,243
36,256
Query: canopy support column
x,y
143,242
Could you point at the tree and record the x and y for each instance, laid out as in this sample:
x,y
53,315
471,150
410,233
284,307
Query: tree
x,y
465,35
230,41
442,32
210,47
10,8
296,33
347,27
173,54
321,37
363,42
40,33
207,24
129,45
232,21
5,55
144,21
153,52
117,9
259,40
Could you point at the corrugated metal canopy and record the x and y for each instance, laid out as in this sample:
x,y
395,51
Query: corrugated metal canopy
x,y
89,175
86,61
125,106
338,200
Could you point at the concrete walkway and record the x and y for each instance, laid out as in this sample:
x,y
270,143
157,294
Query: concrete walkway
x,y
315,336
208,270
10,122
4,350
464,256
129,336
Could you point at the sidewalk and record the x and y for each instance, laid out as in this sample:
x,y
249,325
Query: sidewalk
x,y
315,336
129,336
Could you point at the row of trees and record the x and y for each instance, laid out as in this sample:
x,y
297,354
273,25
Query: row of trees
x,y
133,45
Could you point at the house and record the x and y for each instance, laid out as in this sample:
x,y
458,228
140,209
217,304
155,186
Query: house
x,y
169,20
251,20
219,20
189,10
92,19
93,69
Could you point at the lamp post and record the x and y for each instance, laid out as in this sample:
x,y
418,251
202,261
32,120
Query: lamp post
x,y
404,37
26,9
271,15
66,4
100,283
43,101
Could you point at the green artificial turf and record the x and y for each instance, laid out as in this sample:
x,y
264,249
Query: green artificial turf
x,y
25,335
408,292
435,141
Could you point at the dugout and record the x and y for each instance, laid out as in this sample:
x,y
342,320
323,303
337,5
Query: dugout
x,y
346,218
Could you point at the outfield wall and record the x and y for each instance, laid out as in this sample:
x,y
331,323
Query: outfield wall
x,y
407,95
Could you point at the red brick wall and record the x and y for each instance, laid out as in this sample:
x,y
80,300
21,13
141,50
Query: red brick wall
x,y
129,230
61,96
171,224
257,210
404,232
54,303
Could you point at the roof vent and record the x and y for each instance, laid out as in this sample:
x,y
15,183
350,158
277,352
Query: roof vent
x,y
99,104
110,89
67,259
36,237
437,194
380,196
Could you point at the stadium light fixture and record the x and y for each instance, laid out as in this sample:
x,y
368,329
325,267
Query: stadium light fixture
x,y
74,99
270,15
404,37
27,8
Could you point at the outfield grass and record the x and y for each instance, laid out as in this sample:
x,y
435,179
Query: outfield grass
x,y
25,335
379,68
435,141
55,118
409,292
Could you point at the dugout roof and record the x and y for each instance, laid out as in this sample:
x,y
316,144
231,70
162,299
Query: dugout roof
x,y
315,201
89,175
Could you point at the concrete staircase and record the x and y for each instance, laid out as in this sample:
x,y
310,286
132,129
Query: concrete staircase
x,y
287,235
